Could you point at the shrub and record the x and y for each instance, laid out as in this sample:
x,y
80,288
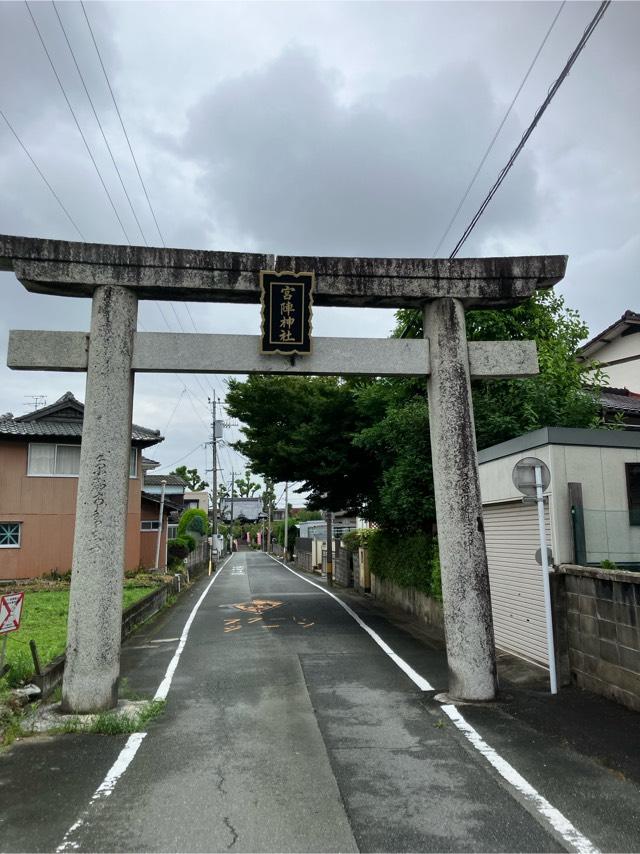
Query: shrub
x,y
177,550
193,521
189,541
357,539
407,560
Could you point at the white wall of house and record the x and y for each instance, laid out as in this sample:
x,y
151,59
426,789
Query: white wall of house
x,y
200,500
511,529
627,374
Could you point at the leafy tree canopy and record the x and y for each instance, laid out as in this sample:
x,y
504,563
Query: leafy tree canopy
x,y
191,477
364,445
245,486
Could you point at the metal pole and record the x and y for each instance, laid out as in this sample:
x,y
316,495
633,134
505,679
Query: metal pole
x,y
329,518
286,519
233,476
269,526
159,538
3,652
214,445
545,581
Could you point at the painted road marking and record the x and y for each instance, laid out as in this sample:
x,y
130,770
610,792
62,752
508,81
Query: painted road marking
x,y
126,755
257,606
555,818
415,677
549,813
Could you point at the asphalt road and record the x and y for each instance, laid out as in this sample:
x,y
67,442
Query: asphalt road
x,y
288,728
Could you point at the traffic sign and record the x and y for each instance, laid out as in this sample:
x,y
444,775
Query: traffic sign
x,y
10,612
524,476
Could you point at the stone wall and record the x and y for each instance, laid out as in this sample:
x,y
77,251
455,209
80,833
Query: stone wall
x,y
426,609
603,635
342,568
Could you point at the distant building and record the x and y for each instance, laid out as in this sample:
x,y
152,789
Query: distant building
x,y
244,509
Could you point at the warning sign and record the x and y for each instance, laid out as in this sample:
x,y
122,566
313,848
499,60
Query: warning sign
x,y
10,611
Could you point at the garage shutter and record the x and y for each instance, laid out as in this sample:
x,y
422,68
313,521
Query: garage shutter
x,y
517,594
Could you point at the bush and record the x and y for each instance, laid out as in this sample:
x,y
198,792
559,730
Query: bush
x,y
357,539
193,521
177,550
189,541
407,560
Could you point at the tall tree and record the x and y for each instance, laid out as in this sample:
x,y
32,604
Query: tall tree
x,y
245,486
364,445
191,477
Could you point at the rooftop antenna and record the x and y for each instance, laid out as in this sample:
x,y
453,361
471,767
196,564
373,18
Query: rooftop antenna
x,y
37,401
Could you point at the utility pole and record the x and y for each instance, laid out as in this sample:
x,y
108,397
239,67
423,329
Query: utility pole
x,y
233,476
286,519
269,527
214,471
329,518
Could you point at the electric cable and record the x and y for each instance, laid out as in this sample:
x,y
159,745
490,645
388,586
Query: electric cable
x,y
104,136
497,133
77,122
41,174
540,112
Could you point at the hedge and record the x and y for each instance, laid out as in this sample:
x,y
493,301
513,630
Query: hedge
x,y
407,560
193,520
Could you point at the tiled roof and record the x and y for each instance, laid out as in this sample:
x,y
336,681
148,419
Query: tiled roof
x,y
37,425
171,479
619,400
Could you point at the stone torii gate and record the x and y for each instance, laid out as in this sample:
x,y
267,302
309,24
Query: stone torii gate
x,y
116,277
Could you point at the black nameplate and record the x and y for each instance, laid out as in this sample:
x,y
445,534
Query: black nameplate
x,y
286,312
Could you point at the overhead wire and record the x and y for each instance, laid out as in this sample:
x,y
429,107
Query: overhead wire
x,y
95,113
42,175
539,113
77,122
137,167
483,159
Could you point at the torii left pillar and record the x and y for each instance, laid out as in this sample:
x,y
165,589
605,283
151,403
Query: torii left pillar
x,y
95,606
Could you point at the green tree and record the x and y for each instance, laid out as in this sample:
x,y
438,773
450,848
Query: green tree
x,y
245,486
191,477
364,445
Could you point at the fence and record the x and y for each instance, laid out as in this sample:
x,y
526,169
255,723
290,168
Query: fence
x,y
198,560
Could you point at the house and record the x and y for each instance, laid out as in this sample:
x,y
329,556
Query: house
x,y
244,509
39,466
592,514
616,350
198,500
174,487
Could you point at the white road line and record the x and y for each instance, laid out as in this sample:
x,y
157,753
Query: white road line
x,y
163,689
415,677
548,812
126,755
555,818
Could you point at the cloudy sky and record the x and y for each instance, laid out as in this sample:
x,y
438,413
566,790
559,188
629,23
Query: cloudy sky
x,y
315,128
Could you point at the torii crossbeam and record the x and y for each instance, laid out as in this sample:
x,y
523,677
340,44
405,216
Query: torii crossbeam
x,y
116,277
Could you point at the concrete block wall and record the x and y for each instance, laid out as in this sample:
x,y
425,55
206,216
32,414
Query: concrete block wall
x,y
342,571
603,634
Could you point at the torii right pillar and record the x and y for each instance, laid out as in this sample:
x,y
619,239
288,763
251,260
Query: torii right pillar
x,y
468,621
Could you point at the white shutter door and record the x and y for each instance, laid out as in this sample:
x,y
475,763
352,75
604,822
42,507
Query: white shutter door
x,y
517,593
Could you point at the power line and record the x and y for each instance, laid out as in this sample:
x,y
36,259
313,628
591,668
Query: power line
x,y
171,465
124,130
552,91
41,174
497,133
104,137
137,167
75,118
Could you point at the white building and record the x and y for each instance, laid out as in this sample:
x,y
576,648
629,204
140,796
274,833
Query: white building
x,y
592,515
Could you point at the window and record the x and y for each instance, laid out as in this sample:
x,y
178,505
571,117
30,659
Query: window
x,y
633,492
64,460
150,525
10,535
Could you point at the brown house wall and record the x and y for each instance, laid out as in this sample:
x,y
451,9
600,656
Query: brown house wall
x,y
46,507
148,539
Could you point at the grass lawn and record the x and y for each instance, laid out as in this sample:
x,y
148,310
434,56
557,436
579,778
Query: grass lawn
x,y
44,620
